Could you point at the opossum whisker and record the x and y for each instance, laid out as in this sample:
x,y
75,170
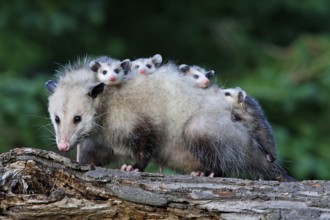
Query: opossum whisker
x,y
224,84
42,126
38,116
49,128
101,115
99,128
52,141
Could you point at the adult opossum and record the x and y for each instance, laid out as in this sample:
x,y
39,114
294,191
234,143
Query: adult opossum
x,y
160,116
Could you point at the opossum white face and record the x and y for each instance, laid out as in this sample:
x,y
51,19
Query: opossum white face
x,y
197,75
146,66
110,73
234,96
72,113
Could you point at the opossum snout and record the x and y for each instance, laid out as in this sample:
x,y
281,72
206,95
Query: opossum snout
x,y
63,146
143,71
204,83
112,78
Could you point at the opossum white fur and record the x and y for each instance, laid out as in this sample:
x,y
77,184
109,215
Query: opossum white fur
x,y
196,75
146,66
160,117
248,111
110,71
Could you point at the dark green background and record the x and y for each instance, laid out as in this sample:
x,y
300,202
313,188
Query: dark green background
x,y
277,50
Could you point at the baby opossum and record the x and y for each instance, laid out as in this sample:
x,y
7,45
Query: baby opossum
x,y
160,117
146,66
196,75
110,71
248,111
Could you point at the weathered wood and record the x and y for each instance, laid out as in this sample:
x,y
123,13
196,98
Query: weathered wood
x,y
41,184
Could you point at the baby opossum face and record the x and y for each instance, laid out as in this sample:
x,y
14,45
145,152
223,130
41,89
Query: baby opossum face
x,y
234,96
72,113
110,73
146,66
198,76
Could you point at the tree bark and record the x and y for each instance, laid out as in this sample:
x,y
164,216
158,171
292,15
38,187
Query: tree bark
x,y
38,184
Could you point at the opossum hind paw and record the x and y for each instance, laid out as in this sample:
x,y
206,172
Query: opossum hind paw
x,y
197,173
128,168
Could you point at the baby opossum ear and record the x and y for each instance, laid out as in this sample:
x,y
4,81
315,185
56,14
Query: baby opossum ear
x,y
157,60
184,68
50,86
209,74
126,64
95,90
241,96
94,66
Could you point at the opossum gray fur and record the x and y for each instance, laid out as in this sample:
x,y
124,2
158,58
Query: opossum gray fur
x,y
160,117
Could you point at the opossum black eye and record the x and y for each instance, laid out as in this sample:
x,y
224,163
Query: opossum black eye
x,y
117,71
196,76
149,66
77,119
137,66
227,94
57,119
104,72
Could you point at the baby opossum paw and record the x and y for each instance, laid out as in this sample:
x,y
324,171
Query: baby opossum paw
x,y
128,168
201,174
270,158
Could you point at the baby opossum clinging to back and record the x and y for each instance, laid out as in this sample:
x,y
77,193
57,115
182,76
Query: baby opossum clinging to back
x,y
196,75
162,117
110,71
248,111
146,66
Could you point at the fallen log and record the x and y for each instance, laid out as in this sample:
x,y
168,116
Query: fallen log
x,y
39,184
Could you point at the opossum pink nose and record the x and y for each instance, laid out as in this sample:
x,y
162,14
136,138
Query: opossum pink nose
x,y
112,78
206,82
143,71
63,146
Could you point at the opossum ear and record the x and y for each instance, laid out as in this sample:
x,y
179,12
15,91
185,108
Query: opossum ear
x,y
94,66
95,90
157,60
184,68
241,96
209,74
126,64
50,86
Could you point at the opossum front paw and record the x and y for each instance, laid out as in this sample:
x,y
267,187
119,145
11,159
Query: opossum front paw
x,y
196,173
201,174
128,168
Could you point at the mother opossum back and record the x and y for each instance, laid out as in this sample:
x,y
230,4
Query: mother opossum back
x,y
194,127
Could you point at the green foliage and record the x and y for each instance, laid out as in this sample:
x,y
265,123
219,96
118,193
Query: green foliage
x,y
23,113
293,88
277,50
